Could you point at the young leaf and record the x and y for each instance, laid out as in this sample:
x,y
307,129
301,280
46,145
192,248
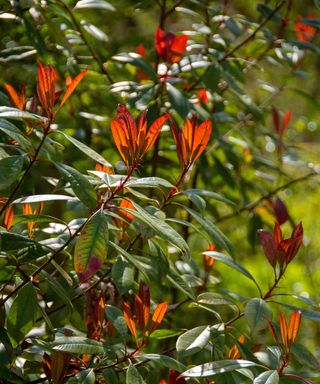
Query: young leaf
x,y
91,246
157,316
72,87
22,314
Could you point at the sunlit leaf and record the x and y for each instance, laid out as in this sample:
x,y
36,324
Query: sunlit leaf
x,y
91,246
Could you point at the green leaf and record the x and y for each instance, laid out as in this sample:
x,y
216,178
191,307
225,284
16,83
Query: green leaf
x,y
227,260
212,230
165,361
193,340
14,132
211,77
160,227
22,314
37,219
86,377
177,281
214,298
91,246
10,241
14,113
46,197
79,345
115,315
209,194
216,367
10,169
122,275
269,377
266,12
142,267
133,376
148,182
86,150
79,184
94,4
137,61
304,356
178,101
257,312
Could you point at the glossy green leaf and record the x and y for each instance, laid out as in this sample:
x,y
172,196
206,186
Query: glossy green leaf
x,y
214,298
10,169
212,230
86,150
193,340
22,314
137,61
10,241
86,377
216,367
208,194
14,132
177,281
91,246
79,184
227,260
165,361
269,377
179,101
115,315
94,4
133,376
160,227
122,275
149,182
257,312
78,345
17,114
46,197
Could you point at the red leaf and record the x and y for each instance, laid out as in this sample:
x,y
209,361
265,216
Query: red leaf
x,y
73,86
177,47
285,122
8,218
16,99
157,316
276,119
283,330
268,246
154,131
129,320
293,327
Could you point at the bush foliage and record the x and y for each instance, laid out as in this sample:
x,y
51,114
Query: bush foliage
x,y
134,134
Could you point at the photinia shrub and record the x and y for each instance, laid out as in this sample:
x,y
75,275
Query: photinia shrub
x,y
123,258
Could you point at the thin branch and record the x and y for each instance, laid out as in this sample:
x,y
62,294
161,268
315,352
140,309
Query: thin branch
x,y
252,36
267,196
85,40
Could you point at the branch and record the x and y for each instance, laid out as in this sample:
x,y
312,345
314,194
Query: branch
x,y
95,56
267,196
252,36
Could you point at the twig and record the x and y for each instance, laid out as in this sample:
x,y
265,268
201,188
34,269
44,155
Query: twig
x,y
85,40
267,196
252,36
